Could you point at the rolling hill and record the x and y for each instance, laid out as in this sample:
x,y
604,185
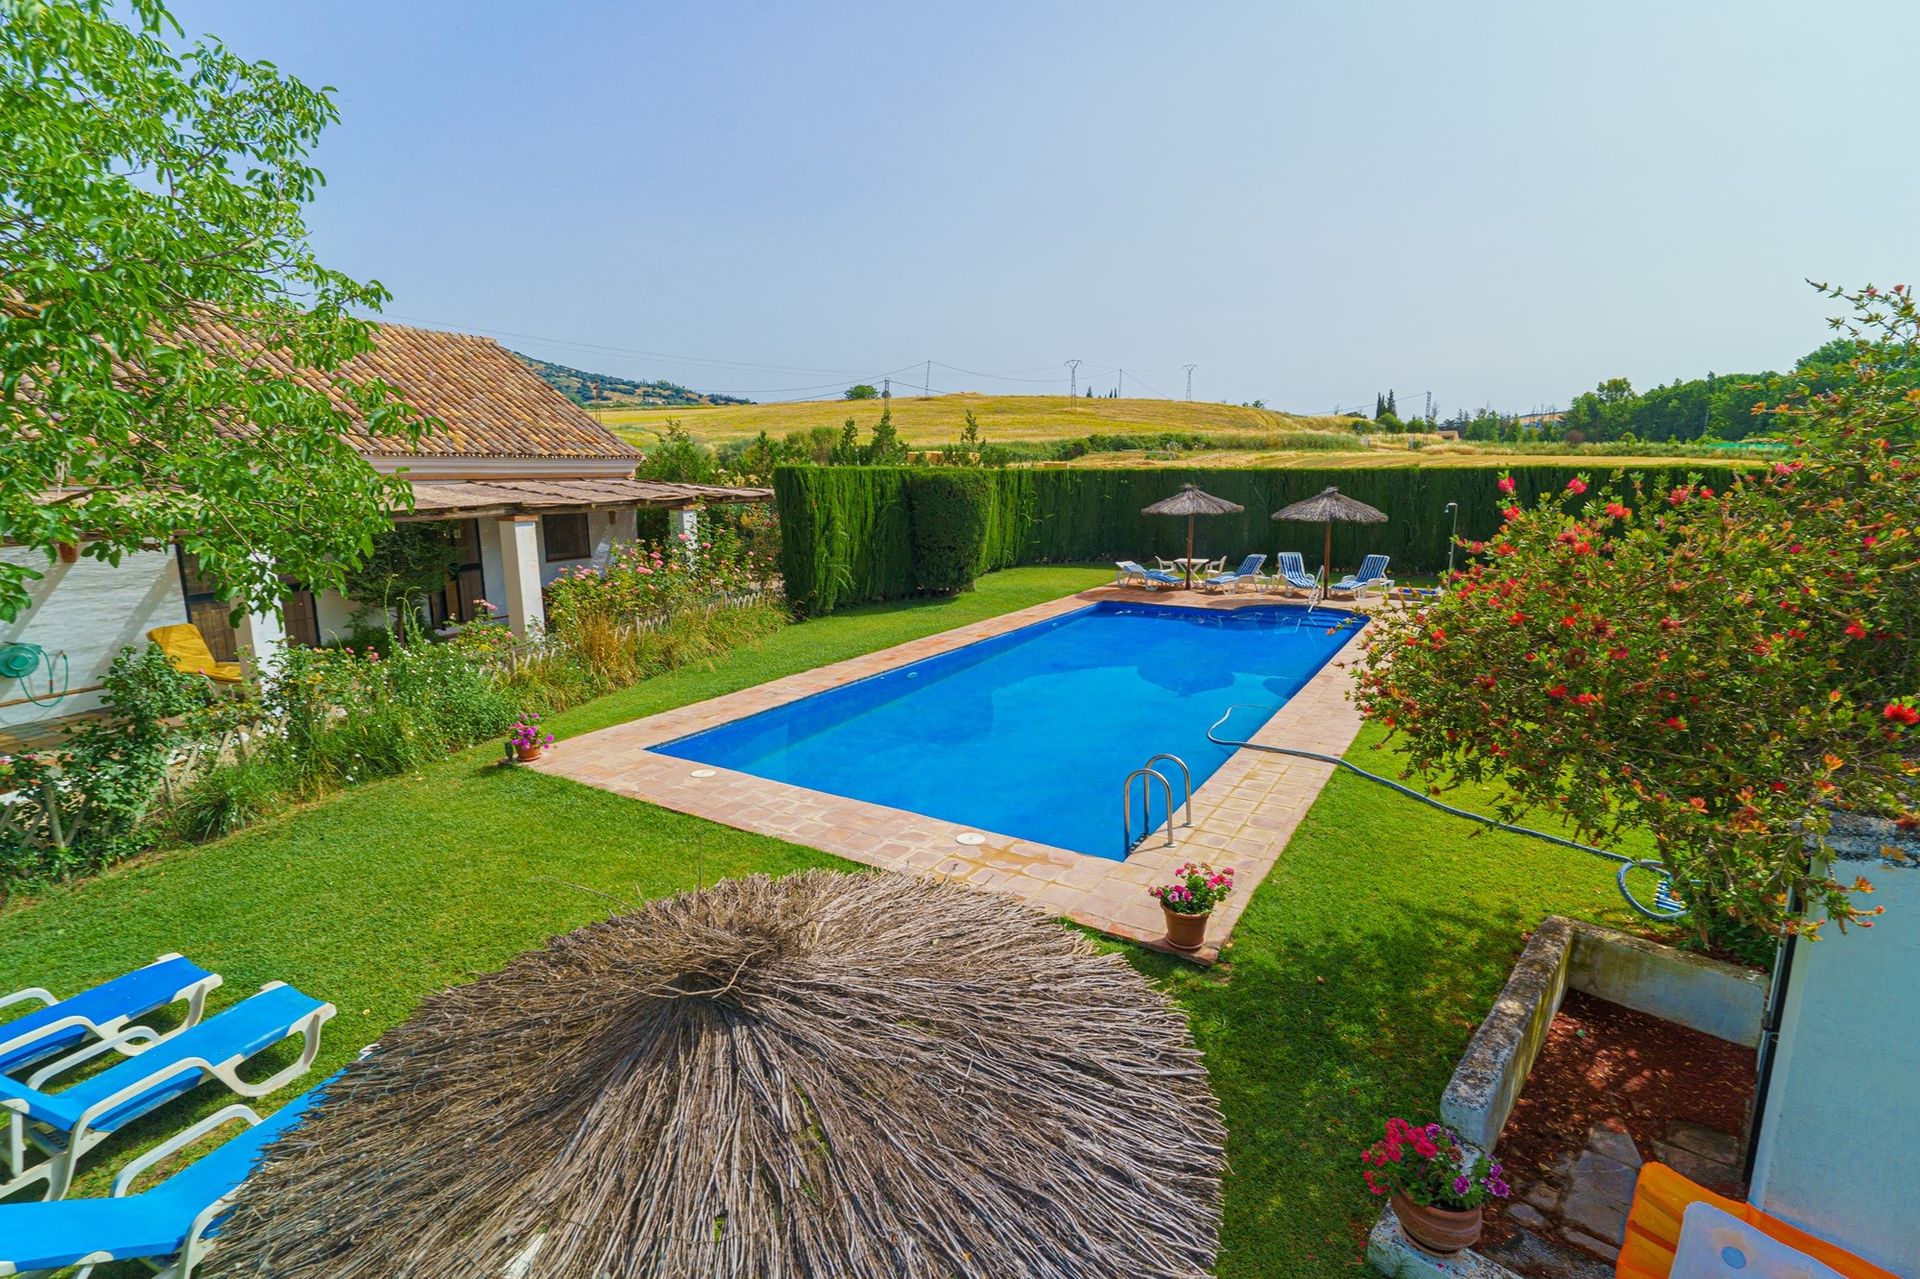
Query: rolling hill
x,y
603,390
1004,419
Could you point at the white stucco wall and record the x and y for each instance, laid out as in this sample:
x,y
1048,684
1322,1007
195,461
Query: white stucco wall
x,y
90,610
1835,1152
604,527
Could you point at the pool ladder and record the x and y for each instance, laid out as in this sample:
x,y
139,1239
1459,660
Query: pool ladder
x,y
1148,775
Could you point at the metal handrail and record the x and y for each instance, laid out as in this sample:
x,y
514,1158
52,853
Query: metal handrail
x,y
1186,775
1146,807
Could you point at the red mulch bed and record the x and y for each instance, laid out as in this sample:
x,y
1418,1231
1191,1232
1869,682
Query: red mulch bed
x,y
1602,1062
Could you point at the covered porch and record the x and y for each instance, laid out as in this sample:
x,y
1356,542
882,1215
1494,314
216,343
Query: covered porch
x,y
512,537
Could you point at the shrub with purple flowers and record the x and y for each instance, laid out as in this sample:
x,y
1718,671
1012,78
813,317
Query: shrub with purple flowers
x,y
1429,1166
1199,888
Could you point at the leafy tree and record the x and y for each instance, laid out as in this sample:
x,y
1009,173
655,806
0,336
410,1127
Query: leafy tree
x,y
146,194
862,391
679,458
1723,669
846,451
410,562
815,445
966,451
886,448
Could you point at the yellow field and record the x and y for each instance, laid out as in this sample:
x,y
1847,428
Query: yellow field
x,y
1004,419
1034,419
1459,455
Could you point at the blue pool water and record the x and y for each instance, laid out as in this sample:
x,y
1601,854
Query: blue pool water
x,y
1031,733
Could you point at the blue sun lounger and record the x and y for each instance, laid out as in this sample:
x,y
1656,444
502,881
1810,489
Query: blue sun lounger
x,y
1149,577
1372,576
171,1226
1292,570
1249,569
69,1123
103,1012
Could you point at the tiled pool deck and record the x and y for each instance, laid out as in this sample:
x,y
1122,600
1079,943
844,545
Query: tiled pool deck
x,y
1242,816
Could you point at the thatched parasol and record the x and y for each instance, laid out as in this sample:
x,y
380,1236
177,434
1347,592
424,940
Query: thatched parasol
x,y
836,1075
1326,506
1191,501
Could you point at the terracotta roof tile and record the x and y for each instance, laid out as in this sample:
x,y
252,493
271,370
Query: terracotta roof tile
x,y
491,404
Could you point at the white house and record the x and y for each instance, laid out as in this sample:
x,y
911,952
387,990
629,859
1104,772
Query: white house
x,y
533,483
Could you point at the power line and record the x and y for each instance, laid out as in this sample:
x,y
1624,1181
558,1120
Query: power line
x,y
1139,381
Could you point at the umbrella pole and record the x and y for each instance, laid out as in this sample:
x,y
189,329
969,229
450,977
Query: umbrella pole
x,y
1326,559
1189,564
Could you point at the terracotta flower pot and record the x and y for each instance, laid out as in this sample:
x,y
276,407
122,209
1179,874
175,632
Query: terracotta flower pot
x,y
1443,1231
527,754
1186,932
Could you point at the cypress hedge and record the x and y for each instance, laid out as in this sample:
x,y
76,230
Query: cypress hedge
x,y
950,516
850,534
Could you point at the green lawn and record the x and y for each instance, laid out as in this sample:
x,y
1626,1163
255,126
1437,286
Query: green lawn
x,y
1353,982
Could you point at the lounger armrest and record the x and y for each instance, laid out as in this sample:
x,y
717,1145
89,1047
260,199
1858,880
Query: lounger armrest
x,y
111,1043
308,1028
179,1142
139,1088
75,1022
40,993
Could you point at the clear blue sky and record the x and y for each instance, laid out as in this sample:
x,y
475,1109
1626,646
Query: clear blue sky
x,y
1499,203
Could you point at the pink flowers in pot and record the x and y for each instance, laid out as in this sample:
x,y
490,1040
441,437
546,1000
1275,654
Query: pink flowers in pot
x,y
527,736
1197,890
1429,1166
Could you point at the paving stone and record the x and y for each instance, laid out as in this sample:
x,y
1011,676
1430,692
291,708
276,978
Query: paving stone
x,y
1545,1196
1607,1178
1721,1147
1615,1143
1545,1258
1607,1250
1596,1213
1246,812
1526,1215
1711,1173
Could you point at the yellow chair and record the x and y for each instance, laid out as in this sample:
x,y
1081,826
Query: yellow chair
x,y
187,649
1660,1199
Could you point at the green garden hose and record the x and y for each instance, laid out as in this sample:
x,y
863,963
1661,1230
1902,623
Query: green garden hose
x,y
1666,905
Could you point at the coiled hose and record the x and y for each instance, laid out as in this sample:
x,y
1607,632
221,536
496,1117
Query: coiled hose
x,y
1666,906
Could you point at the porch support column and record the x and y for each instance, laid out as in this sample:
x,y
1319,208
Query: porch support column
x,y
683,523
261,637
520,567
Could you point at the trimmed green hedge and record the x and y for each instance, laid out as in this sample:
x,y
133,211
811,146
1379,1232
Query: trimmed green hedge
x,y
850,534
949,508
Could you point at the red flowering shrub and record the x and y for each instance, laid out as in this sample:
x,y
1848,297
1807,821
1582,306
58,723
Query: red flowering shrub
x,y
1720,669
1429,1166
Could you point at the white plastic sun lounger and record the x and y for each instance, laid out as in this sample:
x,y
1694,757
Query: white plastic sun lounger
x,y
171,1226
104,1012
69,1123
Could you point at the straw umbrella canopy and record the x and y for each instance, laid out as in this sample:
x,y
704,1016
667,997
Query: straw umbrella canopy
x,y
1326,506
1191,501
852,1076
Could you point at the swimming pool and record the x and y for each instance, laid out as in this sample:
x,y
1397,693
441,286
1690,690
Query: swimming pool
x,y
1031,733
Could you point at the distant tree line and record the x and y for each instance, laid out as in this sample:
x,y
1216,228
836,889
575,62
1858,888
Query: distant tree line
x,y
1719,406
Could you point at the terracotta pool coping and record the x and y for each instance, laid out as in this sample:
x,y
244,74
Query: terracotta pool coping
x,y
1243,815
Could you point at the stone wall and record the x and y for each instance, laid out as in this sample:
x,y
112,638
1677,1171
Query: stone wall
x,y
1690,990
